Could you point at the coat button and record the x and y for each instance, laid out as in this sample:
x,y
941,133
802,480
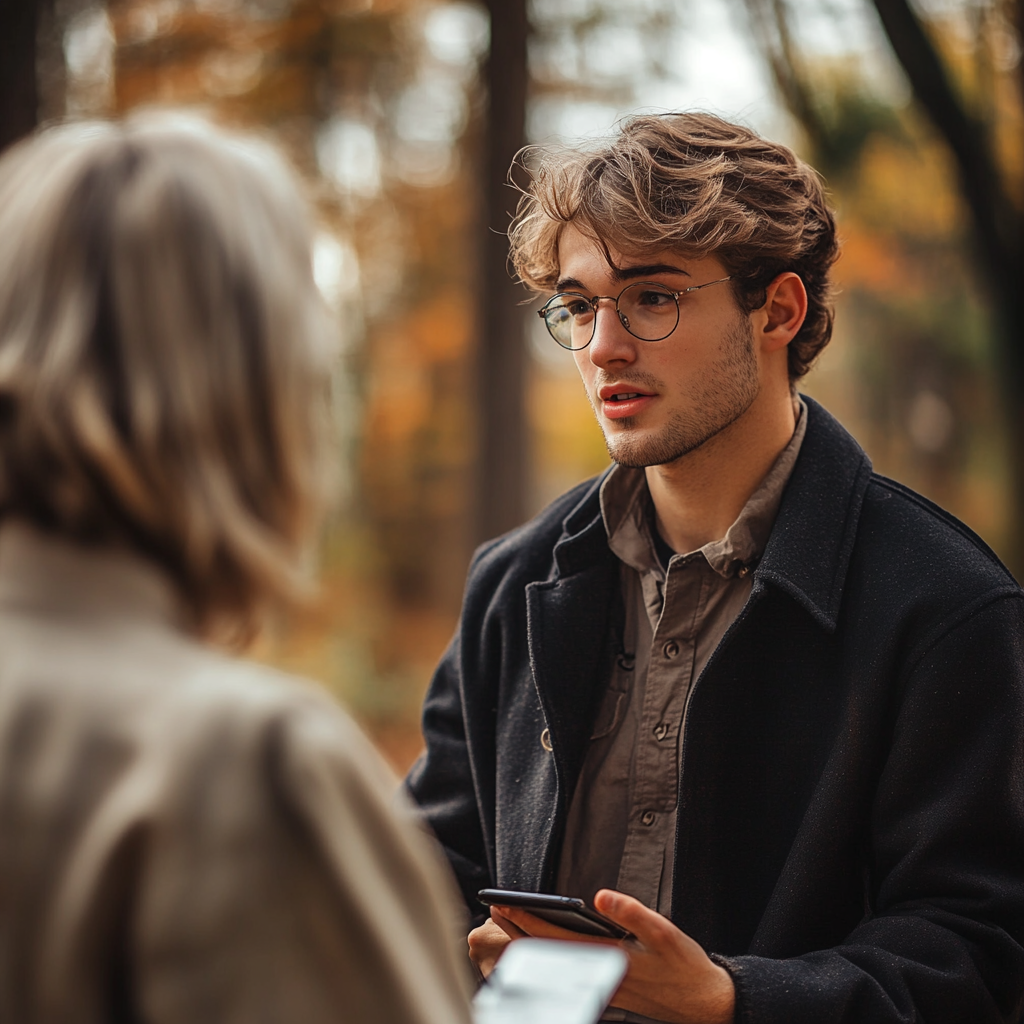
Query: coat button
x,y
661,730
648,817
671,649
545,740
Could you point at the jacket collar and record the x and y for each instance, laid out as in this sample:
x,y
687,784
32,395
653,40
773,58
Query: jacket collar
x,y
43,574
584,540
808,552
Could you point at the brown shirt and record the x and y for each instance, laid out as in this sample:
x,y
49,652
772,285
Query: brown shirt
x,y
189,839
621,828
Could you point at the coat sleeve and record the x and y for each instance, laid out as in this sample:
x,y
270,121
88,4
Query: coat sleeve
x,y
445,783
943,940
297,889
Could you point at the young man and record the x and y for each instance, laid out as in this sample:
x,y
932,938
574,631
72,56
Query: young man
x,y
761,706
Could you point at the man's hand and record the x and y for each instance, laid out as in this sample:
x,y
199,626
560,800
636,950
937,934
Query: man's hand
x,y
670,977
488,942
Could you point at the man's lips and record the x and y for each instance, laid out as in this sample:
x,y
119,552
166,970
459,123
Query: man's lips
x,y
621,400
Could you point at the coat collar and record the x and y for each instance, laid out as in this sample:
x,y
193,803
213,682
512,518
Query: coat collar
x,y
584,541
809,550
48,575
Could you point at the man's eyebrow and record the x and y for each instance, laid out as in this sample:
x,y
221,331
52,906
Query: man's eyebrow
x,y
629,273
571,284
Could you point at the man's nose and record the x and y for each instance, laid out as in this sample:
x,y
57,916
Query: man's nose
x,y
611,343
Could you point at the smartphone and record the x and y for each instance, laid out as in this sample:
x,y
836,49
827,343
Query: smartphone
x,y
548,982
565,911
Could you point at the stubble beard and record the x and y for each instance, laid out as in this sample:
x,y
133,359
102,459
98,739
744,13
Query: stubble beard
x,y
716,399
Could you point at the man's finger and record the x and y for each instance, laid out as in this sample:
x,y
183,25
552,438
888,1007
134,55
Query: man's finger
x,y
649,927
499,915
538,929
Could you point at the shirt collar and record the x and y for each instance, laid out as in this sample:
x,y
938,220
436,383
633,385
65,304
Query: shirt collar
x,y
626,509
42,573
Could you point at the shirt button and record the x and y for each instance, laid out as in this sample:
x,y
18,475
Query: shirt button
x,y
661,730
648,817
671,649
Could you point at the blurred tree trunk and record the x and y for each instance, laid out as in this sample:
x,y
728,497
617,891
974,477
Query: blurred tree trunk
x,y
501,355
19,99
997,223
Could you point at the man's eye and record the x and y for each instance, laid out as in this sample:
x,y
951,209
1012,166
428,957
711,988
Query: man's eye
x,y
579,308
655,299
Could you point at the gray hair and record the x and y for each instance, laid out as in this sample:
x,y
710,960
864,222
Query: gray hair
x,y
164,356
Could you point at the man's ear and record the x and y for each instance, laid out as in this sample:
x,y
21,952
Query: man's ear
x,y
783,312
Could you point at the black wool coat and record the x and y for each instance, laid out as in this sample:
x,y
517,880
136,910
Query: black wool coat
x,y
851,795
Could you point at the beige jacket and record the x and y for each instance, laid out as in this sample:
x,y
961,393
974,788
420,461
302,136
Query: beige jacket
x,y
189,838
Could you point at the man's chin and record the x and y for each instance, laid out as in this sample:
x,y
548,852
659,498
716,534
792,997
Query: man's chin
x,y
635,449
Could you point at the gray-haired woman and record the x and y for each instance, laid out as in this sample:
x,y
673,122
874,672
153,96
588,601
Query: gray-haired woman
x,y
183,836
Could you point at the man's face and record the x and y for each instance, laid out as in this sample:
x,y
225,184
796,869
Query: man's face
x,y
657,401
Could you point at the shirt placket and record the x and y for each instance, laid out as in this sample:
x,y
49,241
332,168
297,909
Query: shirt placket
x,y
651,830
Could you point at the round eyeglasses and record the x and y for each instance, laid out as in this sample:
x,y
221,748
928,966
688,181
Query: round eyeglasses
x,y
648,310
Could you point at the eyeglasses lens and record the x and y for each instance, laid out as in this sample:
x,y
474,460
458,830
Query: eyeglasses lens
x,y
570,320
651,312
648,311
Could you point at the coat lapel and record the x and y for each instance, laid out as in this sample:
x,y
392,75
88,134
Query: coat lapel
x,y
571,644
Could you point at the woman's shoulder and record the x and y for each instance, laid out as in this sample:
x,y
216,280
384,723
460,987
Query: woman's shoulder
x,y
257,705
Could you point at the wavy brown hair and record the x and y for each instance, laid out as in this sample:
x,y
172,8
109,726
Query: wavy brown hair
x,y
694,184
164,360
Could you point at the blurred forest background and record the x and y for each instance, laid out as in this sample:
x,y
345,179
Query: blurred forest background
x,y
457,418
